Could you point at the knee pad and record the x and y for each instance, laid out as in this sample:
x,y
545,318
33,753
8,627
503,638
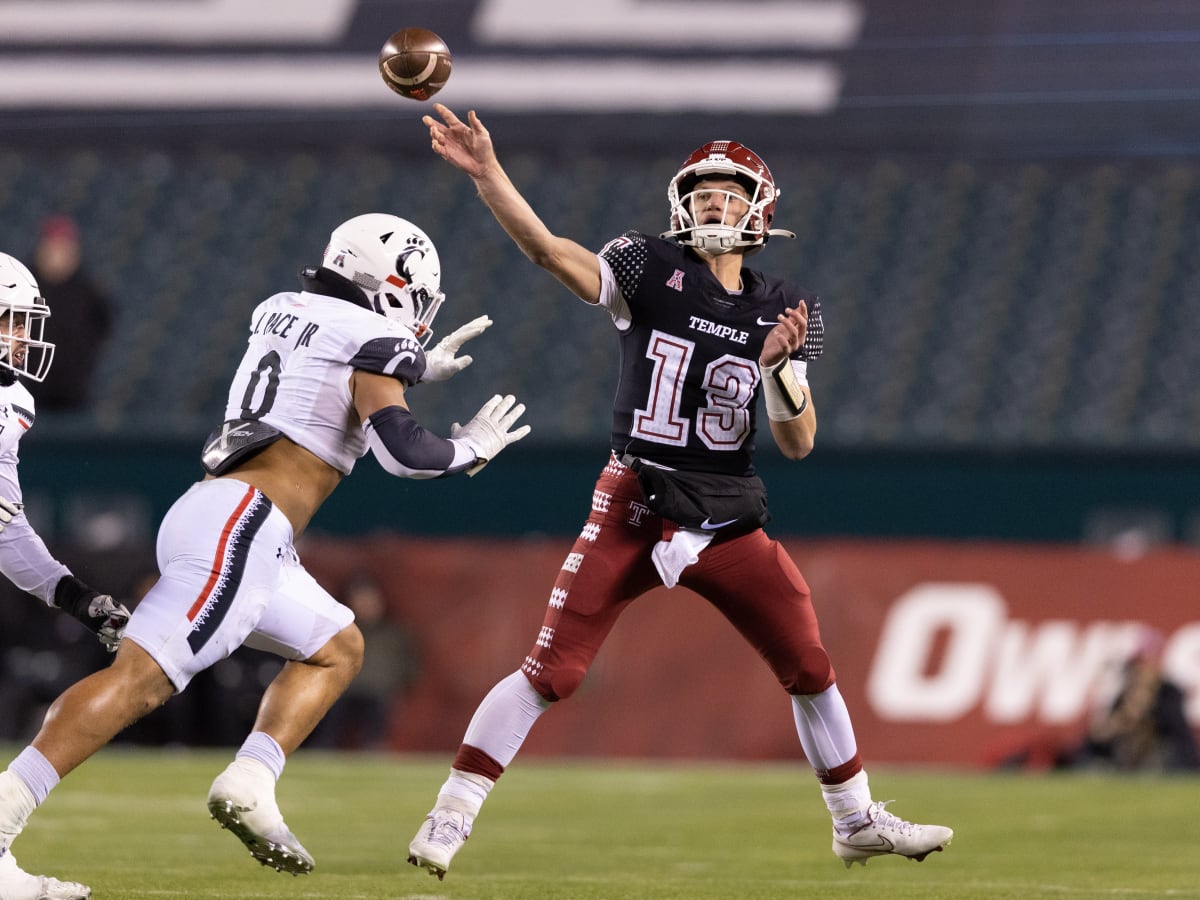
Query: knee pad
x,y
812,674
554,685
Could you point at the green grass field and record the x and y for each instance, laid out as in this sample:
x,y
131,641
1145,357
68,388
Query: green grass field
x,y
132,824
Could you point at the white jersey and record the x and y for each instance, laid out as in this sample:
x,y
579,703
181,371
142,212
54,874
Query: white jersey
x,y
24,559
295,375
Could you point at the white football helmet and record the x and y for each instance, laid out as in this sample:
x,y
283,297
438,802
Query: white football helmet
x,y
23,314
396,265
724,159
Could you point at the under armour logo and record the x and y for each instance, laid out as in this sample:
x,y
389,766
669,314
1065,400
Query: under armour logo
x,y
676,280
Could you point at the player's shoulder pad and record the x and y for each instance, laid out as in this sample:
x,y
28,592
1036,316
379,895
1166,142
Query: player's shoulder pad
x,y
398,355
629,242
19,400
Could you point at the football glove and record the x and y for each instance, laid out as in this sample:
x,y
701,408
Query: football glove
x,y
8,510
441,363
99,612
488,433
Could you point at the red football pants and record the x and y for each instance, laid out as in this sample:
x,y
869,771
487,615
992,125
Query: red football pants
x,y
751,580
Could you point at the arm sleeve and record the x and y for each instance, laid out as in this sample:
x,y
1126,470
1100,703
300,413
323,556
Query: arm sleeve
x,y
407,450
24,558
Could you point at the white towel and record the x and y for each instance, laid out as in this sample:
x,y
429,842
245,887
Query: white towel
x,y
673,556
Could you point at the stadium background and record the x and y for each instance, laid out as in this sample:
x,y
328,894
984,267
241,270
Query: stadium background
x,y
998,204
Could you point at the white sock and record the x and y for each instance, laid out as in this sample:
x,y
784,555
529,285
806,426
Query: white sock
x,y
36,772
467,791
264,748
848,803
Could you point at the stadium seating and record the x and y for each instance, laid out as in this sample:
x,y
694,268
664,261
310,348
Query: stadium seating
x,y
968,305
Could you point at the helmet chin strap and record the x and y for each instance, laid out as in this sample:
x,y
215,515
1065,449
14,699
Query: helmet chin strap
x,y
714,240
718,243
718,240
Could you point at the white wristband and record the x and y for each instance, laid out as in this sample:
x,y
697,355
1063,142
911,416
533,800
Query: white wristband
x,y
785,397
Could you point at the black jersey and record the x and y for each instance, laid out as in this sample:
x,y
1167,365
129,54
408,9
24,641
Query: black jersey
x,y
687,395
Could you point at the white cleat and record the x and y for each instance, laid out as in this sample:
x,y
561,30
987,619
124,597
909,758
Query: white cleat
x,y
242,799
440,836
17,884
886,833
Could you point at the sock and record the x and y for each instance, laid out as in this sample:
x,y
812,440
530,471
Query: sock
x,y
262,747
37,773
467,791
848,803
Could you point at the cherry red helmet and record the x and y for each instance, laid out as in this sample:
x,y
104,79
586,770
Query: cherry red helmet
x,y
727,159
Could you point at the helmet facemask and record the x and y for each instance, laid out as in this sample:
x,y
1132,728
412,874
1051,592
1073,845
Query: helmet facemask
x,y
409,298
701,216
23,314
396,266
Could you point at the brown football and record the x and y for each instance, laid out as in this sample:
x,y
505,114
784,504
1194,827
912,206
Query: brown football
x,y
415,63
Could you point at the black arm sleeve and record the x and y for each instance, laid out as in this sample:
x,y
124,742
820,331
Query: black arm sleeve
x,y
405,448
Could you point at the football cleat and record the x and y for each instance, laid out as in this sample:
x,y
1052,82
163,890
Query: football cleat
x,y
242,799
17,884
885,833
440,836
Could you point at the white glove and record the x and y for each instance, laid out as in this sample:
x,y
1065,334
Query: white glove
x,y
488,433
109,619
8,510
441,363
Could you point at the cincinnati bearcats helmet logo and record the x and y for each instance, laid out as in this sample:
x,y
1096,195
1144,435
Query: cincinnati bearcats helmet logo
x,y
405,262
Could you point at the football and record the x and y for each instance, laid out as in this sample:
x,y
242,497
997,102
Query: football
x,y
415,63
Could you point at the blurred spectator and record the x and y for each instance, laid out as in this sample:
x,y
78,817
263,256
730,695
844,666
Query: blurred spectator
x,y
359,719
1138,724
82,318
40,656
1144,726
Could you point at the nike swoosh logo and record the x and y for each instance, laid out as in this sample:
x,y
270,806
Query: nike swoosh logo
x,y
760,321
880,843
713,526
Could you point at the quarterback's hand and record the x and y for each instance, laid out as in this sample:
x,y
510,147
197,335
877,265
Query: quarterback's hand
x,y
488,433
99,612
8,510
441,363
785,338
467,145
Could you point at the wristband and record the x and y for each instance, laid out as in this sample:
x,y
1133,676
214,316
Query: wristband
x,y
785,397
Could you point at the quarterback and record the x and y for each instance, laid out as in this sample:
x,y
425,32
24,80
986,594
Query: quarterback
x,y
678,501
